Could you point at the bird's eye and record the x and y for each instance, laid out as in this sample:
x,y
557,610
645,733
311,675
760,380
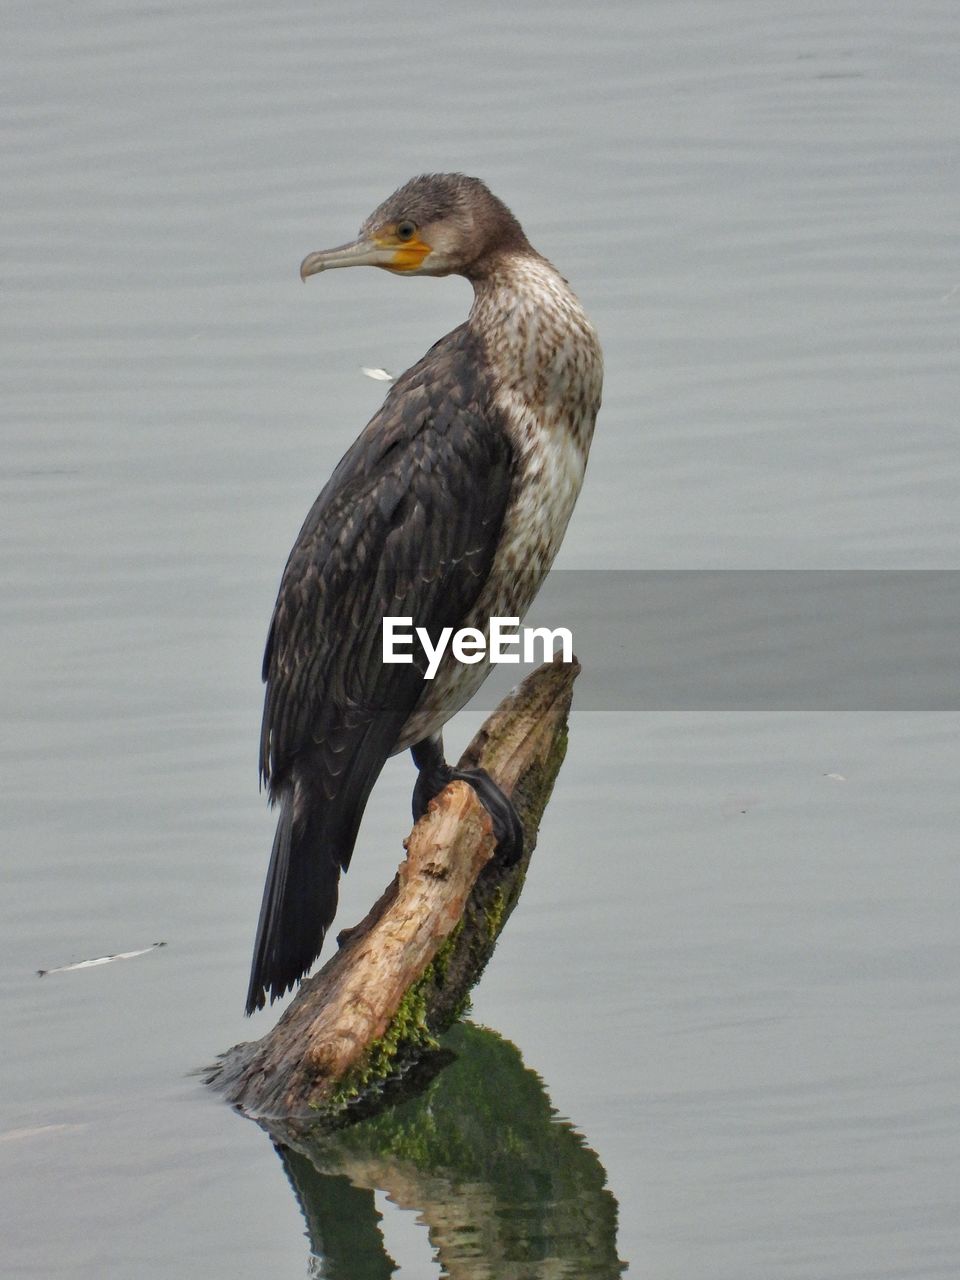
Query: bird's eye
x,y
406,230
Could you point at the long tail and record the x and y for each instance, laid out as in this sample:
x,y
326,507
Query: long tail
x,y
314,841
299,903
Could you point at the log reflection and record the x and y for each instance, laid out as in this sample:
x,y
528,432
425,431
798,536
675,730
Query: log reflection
x,y
505,1189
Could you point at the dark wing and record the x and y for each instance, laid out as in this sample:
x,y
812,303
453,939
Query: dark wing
x,y
408,525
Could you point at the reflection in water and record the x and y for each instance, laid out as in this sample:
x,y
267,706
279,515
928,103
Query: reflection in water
x,y
505,1189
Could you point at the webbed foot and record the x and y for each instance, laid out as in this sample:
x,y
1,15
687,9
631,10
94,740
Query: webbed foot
x,y
434,775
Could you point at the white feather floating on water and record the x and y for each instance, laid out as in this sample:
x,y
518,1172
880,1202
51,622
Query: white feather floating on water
x,y
378,375
90,964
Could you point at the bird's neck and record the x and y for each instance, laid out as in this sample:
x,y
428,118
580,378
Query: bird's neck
x,y
541,349
520,296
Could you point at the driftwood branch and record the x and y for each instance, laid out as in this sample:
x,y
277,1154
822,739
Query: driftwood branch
x,y
405,972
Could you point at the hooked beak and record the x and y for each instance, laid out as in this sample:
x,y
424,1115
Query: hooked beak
x,y
366,253
358,253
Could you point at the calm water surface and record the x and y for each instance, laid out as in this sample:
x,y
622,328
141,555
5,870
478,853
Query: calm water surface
x,y
735,969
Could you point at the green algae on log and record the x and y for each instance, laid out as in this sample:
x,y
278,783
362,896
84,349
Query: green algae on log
x,y
504,1186
404,974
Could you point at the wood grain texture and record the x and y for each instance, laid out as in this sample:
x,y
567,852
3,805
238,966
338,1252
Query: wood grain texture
x,y
405,972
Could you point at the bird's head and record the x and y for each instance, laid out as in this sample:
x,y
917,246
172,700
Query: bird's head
x,y
436,225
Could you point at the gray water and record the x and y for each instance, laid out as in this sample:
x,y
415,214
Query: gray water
x,y
735,966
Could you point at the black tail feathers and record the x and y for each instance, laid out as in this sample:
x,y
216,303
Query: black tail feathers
x,y
315,839
299,903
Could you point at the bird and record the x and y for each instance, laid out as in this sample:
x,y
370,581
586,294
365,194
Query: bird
x,y
449,508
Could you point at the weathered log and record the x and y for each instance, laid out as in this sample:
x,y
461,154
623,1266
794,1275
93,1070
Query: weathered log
x,y
405,972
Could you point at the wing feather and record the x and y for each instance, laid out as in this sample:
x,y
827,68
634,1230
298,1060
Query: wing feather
x,y
408,525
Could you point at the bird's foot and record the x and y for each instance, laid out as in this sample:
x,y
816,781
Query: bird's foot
x,y
434,775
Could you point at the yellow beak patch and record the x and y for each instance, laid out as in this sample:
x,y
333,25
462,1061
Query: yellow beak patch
x,y
407,255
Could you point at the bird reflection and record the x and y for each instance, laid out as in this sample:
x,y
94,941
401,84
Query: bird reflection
x,y
504,1188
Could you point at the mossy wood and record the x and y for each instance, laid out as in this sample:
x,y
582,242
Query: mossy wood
x,y
405,972
504,1187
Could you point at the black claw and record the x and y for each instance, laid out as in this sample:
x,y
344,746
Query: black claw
x,y
434,775
507,827
426,787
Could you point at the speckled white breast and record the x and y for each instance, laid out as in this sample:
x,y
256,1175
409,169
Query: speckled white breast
x,y
548,372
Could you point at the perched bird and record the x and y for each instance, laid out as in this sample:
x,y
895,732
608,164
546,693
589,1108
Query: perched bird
x,y
449,509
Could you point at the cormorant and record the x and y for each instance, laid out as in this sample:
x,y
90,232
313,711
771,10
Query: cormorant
x,y
449,508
